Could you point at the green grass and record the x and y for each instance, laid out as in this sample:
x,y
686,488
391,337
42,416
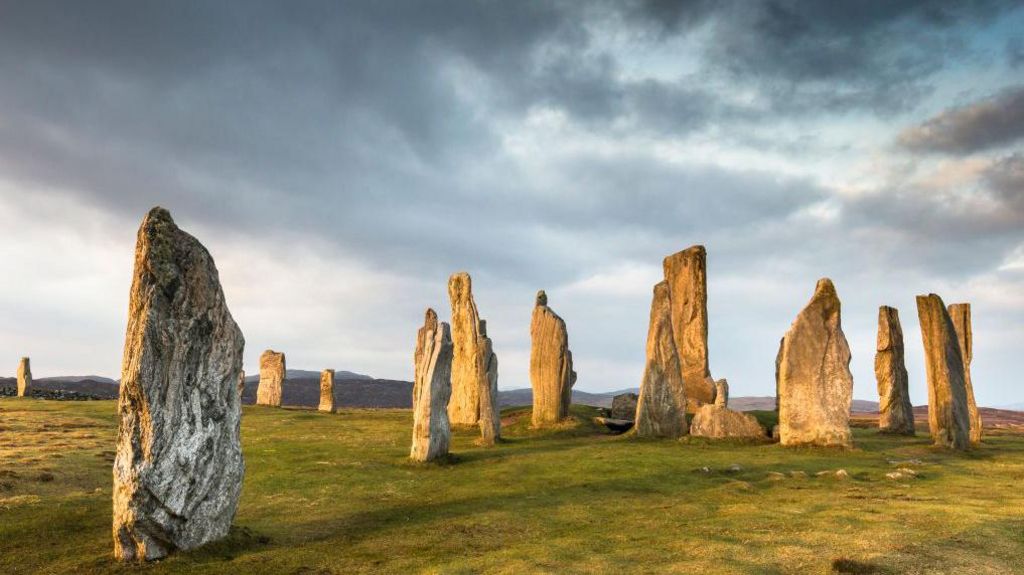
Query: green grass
x,y
336,494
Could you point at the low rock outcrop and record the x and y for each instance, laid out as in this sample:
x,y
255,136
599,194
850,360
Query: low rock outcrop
x,y
624,406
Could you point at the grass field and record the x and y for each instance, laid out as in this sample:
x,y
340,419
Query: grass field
x,y
336,494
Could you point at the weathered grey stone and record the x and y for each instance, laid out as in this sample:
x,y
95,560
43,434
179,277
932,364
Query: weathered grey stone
x,y
624,406
661,408
895,412
327,391
241,382
490,414
432,388
722,393
272,375
815,383
464,408
719,422
948,417
686,274
551,373
960,315
24,377
178,470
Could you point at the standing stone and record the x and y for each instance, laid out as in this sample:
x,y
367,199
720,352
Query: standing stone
x,y
327,391
948,416
686,274
432,388
272,376
815,383
960,314
895,412
551,373
24,377
722,393
624,406
464,408
179,467
661,408
490,414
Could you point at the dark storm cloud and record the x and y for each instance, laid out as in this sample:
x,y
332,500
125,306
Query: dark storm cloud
x,y
990,123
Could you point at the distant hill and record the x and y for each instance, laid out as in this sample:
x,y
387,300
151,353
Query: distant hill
x,y
77,378
358,392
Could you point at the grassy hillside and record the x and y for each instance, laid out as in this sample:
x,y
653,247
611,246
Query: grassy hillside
x,y
335,494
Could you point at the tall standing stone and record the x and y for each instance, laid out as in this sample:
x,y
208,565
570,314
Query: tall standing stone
x,y
490,414
686,274
327,391
551,373
432,388
960,314
815,383
272,375
464,408
895,412
661,408
948,416
178,470
24,377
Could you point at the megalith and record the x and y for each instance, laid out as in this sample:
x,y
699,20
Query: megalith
x,y
895,412
179,467
24,377
948,416
960,314
464,408
721,393
327,391
815,385
432,388
551,373
490,414
686,274
661,407
272,376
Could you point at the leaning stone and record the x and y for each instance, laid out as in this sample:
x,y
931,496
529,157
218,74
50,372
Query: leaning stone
x,y
717,422
948,415
815,383
661,408
551,373
327,391
895,412
272,376
624,406
24,377
179,467
467,377
960,314
686,275
432,388
490,414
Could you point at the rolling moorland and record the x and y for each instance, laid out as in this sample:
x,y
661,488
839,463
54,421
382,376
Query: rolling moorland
x,y
335,493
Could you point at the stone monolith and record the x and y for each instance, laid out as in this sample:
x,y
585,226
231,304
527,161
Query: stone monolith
x,y
948,416
179,467
815,385
24,377
327,391
490,414
272,375
722,393
960,314
661,407
686,274
464,408
551,373
432,388
895,412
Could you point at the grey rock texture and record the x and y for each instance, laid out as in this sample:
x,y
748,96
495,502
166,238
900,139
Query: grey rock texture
x,y
895,412
272,375
178,469
948,416
661,407
327,391
432,388
960,314
24,377
686,274
551,370
624,406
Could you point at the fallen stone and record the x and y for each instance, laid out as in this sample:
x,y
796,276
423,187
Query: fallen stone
x,y
551,370
24,377
948,416
896,413
686,276
624,406
734,468
616,425
327,391
179,467
661,407
815,384
717,422
272,376
432,388
467,374
776,476
842,474
960,315
897,476
798,474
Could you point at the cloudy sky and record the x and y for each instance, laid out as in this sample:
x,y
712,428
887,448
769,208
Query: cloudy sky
x,y
340,160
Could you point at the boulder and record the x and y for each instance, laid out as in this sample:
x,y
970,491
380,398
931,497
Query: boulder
x,y
948,415
467,377
432,388
490,414
896,414
686,275
815,385
24,377
960,314
719,422
624,406
551,373
272,376
661,407
179,467
327,391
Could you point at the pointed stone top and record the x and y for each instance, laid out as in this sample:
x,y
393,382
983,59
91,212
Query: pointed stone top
x,y
825,287
542,298
922,297
886,309
430,319
482,327
460,280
